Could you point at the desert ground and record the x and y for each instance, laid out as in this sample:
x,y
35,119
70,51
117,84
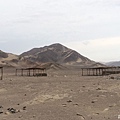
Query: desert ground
x,y
62,95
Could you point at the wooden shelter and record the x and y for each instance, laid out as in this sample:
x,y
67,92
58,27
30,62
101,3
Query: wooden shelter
x,y
99,71
31,72
1,74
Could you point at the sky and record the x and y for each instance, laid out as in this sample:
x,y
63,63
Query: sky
x,y
91,27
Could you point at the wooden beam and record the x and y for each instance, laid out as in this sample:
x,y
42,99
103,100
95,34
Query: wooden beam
x,y
82,72
1,73
21,72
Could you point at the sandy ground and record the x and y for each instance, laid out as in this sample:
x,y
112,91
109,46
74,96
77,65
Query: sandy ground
x,y
62,95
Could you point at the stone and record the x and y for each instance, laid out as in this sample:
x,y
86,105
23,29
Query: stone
x,y
1,112
1,106
24,108
7,113
98,89
69,101
12,110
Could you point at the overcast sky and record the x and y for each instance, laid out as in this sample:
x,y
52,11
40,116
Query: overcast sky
x,y
91,27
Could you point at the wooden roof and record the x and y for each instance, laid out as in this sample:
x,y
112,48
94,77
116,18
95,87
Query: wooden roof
x,y
32,68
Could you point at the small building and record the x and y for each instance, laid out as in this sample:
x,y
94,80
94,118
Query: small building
x,y
100,71
31,72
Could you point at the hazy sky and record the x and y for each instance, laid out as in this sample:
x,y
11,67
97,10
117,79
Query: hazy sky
x,y
91,27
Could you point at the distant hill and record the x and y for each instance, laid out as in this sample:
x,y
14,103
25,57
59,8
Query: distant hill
x,y
5,58
113,63
3,54
55,53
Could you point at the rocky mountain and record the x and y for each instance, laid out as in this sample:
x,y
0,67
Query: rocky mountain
x,y
53,56
55,53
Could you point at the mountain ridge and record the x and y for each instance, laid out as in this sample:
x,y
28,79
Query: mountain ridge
x,y
55,53
113,63
52,55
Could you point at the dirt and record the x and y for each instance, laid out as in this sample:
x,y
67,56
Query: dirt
x,y
62,95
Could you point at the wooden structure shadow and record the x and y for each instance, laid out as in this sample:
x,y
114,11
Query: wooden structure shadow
x,y
100,71
31,72
1,73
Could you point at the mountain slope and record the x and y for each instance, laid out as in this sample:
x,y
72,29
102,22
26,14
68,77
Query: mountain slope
x,y
5,58
3,54
55,53
113,63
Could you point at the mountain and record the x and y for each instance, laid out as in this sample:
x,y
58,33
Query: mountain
x,y
3,54
113,63
5,58
55,53
55,56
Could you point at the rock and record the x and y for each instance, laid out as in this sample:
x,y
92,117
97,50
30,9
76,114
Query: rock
x,y
64,105
93,102
18,111
1,106
110,106
98,89
34,116
112,77
20,117
12,110
7,113
76,104
24,108
1,112
69,101
82,117
97,113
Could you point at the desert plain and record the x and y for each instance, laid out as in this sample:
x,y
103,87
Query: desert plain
x,y
62,95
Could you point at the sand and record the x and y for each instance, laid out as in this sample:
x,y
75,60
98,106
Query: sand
x,y
62,95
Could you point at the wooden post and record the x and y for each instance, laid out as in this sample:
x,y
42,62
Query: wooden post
x,y
102,72
96,71
82,72
28,72
21,72
89,71
16,72
93,72
33,72
1,73
99,71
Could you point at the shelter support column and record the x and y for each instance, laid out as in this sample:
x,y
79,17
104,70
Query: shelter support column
x,y
21,72
1,73
16,72
82,72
